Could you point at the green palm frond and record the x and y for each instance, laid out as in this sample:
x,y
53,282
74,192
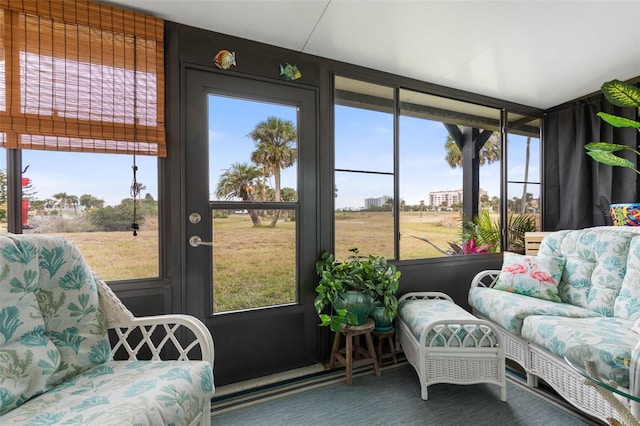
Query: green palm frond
x,y
517,225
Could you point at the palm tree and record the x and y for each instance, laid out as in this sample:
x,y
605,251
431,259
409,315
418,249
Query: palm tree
x,y
61,198
489,153
240,181
275,141
73,200
526,175
89,201
65,199
421,207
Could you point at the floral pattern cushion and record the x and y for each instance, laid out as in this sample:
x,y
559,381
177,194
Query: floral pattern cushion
x,y
123,393
596,263
509,309
535,276
47,279
28,357
69,302
608,341
417,314
627,304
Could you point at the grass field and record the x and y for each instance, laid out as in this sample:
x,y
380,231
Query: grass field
x,y
255,267
119,255
373,233
241,251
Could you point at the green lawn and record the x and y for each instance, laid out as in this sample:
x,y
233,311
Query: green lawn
x,y
255,267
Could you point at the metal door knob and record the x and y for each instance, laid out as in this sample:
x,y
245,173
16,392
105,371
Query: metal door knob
x,y
196,241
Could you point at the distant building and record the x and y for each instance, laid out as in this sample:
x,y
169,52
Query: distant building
x,y
376,202
448,198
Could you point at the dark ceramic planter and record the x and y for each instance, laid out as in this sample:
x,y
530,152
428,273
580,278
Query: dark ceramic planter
x,y
382,320
356,302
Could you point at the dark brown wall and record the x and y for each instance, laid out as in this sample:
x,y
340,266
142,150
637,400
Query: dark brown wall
x,y
187,45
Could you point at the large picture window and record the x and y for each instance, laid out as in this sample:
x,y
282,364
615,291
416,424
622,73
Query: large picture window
x,y
420,176
523,179
364,168
81,84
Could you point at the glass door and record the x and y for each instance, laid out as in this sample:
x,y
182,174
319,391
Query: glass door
x,y
250,220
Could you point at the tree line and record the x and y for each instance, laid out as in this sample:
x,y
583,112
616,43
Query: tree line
x,y
87,208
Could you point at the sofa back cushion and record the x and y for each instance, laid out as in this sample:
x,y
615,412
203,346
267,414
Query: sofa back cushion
x,y
627,303
68,299
28,357
596,263
51,325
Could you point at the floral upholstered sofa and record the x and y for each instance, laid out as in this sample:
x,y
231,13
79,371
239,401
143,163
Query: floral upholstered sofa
x,y
56,354
582,290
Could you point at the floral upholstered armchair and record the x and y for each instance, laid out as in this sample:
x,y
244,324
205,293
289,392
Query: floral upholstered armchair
x,y
60,326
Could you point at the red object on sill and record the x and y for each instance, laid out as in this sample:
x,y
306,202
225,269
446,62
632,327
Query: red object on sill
x,y
25,212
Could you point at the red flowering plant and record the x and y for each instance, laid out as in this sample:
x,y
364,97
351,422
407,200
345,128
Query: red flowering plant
x,y
469,247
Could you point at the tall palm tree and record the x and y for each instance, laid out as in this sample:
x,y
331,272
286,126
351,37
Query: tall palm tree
x,y
523,208
275,141
489,153
421,207
240,181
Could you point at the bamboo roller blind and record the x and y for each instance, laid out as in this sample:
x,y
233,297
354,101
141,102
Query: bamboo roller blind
x,y
81,76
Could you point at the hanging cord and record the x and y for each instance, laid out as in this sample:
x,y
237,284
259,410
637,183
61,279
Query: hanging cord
x,y
135,187
135,193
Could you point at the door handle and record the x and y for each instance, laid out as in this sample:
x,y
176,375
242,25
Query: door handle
x,y
196,241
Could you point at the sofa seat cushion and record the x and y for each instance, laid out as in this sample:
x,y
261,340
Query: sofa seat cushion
x,y
609,341
509,309
123,393
418,314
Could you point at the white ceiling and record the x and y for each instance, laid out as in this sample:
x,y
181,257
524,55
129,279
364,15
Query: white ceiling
x,y
537,53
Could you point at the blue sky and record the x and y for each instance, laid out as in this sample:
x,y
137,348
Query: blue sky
x,y
230,121
105,176
364,141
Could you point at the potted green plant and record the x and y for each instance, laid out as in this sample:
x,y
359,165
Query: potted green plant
x,y
381,281
621,94
363,280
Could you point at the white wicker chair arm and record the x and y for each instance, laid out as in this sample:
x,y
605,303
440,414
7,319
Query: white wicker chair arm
x,y
114,311
486,278
446,334
424,295
168,326
122,321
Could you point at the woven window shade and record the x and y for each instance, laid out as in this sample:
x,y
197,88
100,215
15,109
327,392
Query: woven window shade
x,y
81,76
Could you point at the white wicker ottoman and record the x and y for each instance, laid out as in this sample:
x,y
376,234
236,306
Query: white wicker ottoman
x,y
446,344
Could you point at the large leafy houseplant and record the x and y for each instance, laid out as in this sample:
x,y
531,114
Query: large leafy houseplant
x,y
370,275
485,232
621,94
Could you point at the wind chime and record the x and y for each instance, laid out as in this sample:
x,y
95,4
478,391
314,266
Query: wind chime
x,y
135,193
